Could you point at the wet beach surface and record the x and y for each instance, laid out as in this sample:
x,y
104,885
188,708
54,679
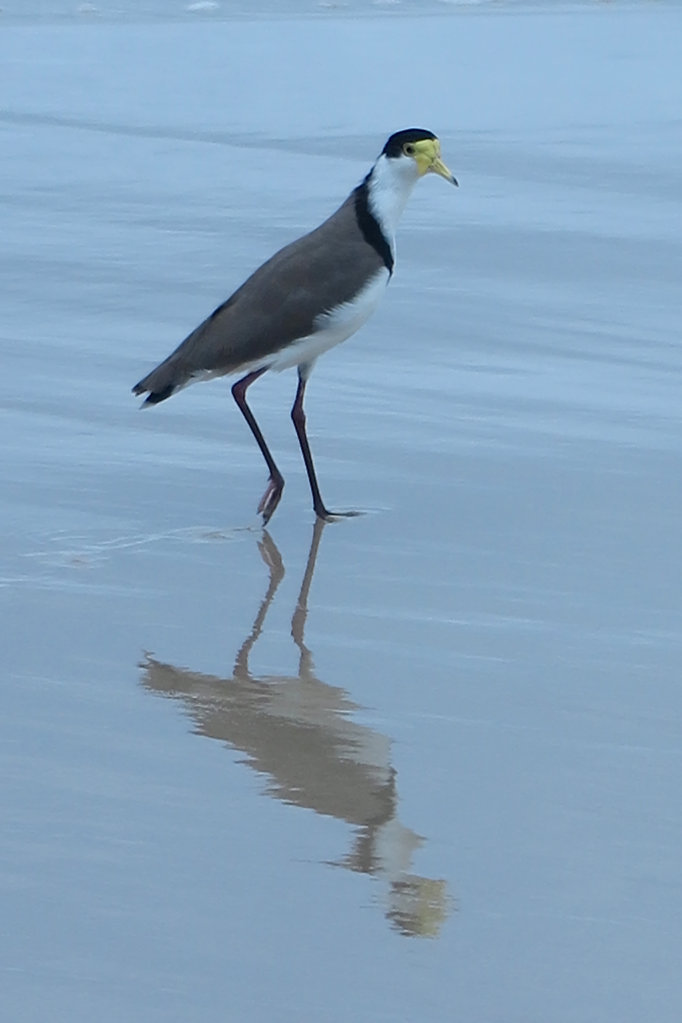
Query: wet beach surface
x,y
423,763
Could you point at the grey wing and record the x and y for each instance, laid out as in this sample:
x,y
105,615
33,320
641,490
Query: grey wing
x,y
276,305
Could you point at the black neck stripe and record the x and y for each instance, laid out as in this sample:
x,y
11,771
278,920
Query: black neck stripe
x,y
370,226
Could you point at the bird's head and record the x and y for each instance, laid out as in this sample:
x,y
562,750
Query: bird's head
x,y
419,150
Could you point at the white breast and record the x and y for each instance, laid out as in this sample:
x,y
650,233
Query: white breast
x,y
333,327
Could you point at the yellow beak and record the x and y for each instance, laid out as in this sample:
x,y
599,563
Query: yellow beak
x,y
427,155
438,167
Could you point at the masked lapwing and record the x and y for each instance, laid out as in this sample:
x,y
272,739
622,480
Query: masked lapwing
x,y
310,296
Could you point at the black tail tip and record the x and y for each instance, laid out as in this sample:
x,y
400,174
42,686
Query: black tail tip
x,y
154,397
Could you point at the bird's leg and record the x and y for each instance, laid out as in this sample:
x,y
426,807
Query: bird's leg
x,y
273,491
298,417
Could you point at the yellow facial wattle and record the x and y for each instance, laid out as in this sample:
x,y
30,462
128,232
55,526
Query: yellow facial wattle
x,y
427,157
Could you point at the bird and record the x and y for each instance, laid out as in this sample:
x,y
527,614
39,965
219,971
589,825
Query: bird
x,y
310,296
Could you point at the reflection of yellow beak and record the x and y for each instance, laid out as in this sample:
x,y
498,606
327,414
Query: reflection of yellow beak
x,y
438,167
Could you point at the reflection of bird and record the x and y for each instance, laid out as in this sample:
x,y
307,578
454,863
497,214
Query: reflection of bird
x,y
299,733
308,297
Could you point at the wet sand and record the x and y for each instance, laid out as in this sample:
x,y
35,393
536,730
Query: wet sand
x,y
423,763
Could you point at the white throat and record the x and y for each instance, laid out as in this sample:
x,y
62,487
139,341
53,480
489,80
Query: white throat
x,y
389,186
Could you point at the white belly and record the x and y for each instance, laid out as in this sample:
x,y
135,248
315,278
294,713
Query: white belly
x,y
334,327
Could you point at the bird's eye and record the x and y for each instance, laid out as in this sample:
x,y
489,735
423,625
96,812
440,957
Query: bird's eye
x,y
409,150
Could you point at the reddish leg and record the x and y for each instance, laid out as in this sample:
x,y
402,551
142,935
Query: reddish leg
x,y
298,417
273,491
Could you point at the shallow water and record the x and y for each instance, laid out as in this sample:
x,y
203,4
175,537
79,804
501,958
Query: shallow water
x,y
463,708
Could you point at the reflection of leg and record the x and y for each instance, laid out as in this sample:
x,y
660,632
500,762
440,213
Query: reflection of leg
x,y
301,610
269,552
273,491
273,559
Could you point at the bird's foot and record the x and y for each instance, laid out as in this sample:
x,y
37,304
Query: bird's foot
x,y
334,516
271,498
